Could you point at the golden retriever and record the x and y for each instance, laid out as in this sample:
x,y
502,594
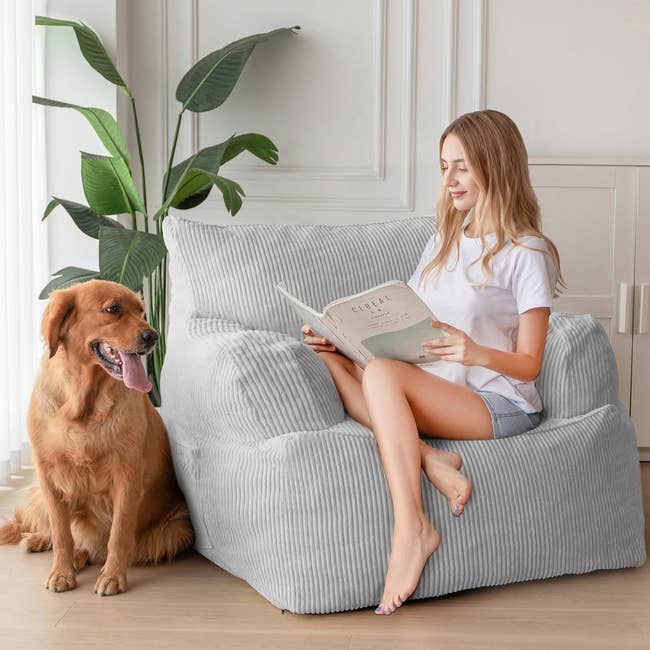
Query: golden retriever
x,y
106,488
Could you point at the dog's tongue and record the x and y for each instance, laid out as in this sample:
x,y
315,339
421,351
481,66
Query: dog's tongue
x,y
133,373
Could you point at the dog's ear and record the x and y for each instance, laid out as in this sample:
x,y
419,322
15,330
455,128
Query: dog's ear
x,y
56,318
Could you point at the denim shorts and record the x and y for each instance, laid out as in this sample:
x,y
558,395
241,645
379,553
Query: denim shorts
x,y
507,418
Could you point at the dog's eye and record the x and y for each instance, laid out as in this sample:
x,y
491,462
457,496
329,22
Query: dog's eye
x,y
113,309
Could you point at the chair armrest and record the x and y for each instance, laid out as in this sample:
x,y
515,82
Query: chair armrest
x,y
247,384
579,371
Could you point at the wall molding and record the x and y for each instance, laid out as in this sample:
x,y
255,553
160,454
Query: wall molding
x,y
165,81
450,92
480,54
377,172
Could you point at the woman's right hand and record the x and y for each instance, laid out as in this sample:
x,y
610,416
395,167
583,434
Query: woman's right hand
x,y
316,343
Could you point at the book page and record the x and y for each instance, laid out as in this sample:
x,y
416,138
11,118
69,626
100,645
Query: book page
x,y
321,328
389,321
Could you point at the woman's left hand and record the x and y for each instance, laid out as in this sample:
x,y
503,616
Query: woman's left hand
x,y
458,346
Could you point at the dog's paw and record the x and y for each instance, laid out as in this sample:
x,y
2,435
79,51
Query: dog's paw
x,y
110,584
81,558
36,543
61,580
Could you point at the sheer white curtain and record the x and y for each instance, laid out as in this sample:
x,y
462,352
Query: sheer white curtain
x,y
23,239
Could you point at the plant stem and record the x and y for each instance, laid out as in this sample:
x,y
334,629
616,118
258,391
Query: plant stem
x,y
160,274
171,159
144,181
153,283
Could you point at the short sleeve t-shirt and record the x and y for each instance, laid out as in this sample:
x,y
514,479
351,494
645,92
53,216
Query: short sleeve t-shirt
x,y
522,279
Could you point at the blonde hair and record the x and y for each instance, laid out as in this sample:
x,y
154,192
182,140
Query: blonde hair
x,y
496,157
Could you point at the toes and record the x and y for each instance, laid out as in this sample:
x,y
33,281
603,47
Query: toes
x,y
385,608
462,497
389,607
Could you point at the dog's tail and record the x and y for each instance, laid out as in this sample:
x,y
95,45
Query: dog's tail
x,y
167,538
30,519
11,531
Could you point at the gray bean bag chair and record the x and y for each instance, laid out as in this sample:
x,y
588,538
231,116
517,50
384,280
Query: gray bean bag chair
x,y
287,492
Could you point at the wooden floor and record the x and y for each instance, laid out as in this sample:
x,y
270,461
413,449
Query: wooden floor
x,y
191,603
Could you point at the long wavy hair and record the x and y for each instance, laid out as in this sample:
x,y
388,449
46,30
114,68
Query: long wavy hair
x,y
496,157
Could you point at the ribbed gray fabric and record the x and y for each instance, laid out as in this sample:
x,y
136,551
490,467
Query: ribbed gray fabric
x,y
232,270
579,358
288,492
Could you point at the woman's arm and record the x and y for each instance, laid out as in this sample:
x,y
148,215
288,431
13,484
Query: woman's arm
x,y
526,362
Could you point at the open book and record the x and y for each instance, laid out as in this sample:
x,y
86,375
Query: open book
x,y
389,321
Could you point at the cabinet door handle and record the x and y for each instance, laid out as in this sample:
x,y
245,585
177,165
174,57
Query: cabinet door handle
x,y
625,297
644,303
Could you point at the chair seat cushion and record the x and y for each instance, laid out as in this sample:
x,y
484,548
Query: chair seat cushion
x,y
306,517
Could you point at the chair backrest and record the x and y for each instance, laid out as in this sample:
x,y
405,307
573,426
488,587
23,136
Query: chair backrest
x,y
223,279
231,271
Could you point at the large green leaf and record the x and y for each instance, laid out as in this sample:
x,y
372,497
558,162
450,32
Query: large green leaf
x,y
255,143
209,82
196,199
126,256
66,277
102,121
91,47
87,220
189,176
108,185
231,192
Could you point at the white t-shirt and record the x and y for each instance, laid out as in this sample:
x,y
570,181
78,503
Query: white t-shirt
x,y
522,279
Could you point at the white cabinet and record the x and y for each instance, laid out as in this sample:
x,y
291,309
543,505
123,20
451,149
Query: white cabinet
x,y
598,216
641,322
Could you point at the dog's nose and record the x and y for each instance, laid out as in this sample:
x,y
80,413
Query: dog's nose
x,y
148,336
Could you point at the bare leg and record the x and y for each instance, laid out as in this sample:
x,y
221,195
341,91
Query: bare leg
x,y
401,399
414,538
347,377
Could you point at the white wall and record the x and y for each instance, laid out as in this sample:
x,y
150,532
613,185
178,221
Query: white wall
x,y
69,78
574,75
356,102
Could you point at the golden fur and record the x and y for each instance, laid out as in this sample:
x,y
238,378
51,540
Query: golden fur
x,y
106,490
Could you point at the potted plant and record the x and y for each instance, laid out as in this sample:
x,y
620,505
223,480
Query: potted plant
x,y
134,255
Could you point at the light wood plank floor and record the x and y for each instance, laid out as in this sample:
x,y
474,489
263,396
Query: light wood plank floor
x,y
192,603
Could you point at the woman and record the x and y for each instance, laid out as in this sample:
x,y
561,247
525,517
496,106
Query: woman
x,y
494,304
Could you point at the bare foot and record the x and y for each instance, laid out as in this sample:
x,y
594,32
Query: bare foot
x,y
410,550
449,457
456,487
